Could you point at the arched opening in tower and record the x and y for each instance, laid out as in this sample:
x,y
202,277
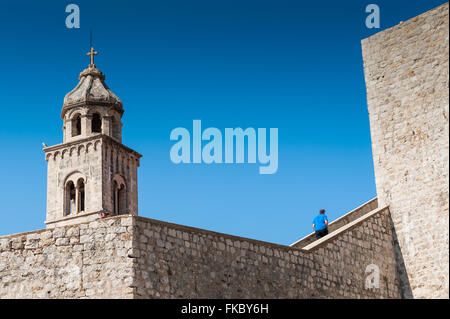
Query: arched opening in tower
x,y
76,125
96,123
81,195
69,198
120,199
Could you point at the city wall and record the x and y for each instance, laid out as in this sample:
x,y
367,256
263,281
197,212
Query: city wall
x,y
135,257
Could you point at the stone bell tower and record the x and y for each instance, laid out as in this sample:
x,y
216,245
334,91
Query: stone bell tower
x,y
91,171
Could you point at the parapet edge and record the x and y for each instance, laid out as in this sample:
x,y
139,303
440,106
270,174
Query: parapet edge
x,y
336,221
330,237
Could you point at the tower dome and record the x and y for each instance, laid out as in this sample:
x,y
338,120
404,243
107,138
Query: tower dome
x,y
91,91
91,107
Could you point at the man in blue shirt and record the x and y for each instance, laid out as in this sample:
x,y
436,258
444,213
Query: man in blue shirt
x,y
320,224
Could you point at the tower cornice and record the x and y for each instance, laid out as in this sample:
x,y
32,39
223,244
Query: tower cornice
x,y
102,137
117,107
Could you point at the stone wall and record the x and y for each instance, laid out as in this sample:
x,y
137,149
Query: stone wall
x,y
176,261
406,71
90,260
135,257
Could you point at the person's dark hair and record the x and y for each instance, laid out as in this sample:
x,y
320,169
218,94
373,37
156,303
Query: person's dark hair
x,y
103,214
322,211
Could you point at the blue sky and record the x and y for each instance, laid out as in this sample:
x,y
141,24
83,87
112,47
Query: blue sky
x,y
293,65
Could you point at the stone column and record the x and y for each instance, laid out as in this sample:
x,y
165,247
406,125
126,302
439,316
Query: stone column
x,y
120,131
68,130
85,125
116,199
77,199
106,125
64,132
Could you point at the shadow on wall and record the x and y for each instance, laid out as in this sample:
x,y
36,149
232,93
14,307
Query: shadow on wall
x,y
401,269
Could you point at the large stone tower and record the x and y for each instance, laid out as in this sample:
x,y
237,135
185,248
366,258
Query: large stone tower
x,y
91,171
407,78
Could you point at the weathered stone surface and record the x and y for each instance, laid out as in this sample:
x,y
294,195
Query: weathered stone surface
x,y
151,261
65,269
245,268
406,71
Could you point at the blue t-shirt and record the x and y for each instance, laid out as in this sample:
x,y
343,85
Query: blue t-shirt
x,y
319,222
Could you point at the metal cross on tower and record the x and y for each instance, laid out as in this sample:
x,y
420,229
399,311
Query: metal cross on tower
x,y
92,53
